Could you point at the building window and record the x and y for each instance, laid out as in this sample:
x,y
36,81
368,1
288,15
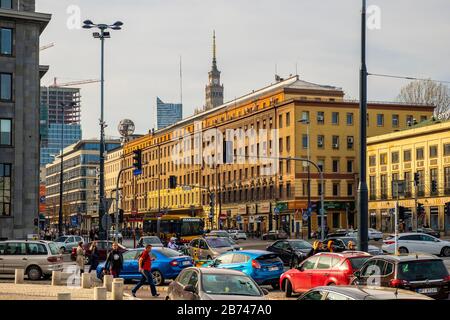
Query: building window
x,y
6,41
380,120
349,118
320,117
409,120
288,119
383,159
350,166
373,187
305,115
288,166
280,192
280,121
447,180
335,142
320,141
407,178
305,141
6,86
288,190
383,186
280,144
395,120
395,157
288,144
434,177
433,151
5,132
407,155
423,118
349,189
447,149
335,118
321,165
372,161
350,142
6,4
320,188
336,189
5,189
281,167
335,165
419,154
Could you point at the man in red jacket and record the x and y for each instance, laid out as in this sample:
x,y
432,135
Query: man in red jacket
x,y
145,267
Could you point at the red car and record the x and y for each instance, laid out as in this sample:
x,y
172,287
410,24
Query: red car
x,y
322,269
102,245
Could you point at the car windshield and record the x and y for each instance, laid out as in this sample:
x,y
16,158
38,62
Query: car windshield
x,y
220,233
227,284
61,239
169,252
152,240
357,262
53,248
218,242
422,270
300,245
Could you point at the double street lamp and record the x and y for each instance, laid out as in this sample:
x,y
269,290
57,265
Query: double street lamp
x,y
307,122
102,35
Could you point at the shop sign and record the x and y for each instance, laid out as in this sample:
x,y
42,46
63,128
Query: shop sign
x,y
242,209
264,207
252,209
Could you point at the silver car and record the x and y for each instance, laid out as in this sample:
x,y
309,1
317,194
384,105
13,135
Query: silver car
x,y
66,243
210,247
38,258
214,284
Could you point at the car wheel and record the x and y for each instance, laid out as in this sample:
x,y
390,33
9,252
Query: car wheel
x,y
46,276
158,278
288,289
275,286
445,252
34,273
403,250
208,258
331,284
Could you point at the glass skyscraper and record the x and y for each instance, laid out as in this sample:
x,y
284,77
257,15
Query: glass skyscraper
x,y
168,113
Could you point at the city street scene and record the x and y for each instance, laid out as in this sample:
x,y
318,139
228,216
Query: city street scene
x,y
224,150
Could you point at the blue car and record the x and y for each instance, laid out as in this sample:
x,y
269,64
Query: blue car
x,y
168,264
263,266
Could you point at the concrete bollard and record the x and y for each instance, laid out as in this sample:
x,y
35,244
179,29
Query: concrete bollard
x,y
19,275
107,282
64,296
100,293
85,280
117,289
56,278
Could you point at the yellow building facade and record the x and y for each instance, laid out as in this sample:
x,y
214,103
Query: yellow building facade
x,y
244,196
422,149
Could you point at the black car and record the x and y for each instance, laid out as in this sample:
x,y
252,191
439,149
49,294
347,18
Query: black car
x,y
291,251
429,231
338,233
421,273
342,244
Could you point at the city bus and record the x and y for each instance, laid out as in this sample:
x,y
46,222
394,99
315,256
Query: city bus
x,y
175,226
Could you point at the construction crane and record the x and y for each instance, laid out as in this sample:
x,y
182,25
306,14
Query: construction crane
x,y
72,83
47,46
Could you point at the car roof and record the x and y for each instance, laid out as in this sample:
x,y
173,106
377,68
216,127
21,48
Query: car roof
x,y
217,271
381,293
253,252
409,257
345,254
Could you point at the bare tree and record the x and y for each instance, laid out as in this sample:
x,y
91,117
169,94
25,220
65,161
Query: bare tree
x,y
427,92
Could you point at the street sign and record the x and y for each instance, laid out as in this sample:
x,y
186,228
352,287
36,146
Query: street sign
x,y
305,216
106,222
238,218
276,210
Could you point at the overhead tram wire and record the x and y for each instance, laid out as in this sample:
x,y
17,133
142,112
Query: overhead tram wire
x,y
404,77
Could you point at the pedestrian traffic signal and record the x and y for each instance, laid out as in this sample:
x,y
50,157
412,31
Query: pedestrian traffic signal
x,y
120,215
416,178
172,182
434,186
137,162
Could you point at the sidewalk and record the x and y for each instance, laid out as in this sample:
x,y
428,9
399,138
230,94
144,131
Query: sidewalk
x,y
10,291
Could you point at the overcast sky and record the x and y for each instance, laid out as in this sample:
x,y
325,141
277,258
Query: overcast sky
x,y
321,37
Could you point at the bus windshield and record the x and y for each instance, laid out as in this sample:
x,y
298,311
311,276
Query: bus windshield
x,y
179,226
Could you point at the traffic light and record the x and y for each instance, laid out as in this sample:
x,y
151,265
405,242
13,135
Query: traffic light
x,y
416,178
420,208
120,215
137,162
172,182
401,213
447,208
434,186
36,222
211,200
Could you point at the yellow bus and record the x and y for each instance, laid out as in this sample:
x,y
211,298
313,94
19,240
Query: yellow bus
x,y
184,228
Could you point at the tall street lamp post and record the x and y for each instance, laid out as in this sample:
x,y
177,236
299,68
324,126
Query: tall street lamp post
x,y
363,223
102,35
307,122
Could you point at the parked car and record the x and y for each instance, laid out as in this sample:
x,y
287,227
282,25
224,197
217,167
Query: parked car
x,y
429,231
112,236
168,264
417,242
153,240
421,273
360,293
263,266
373,234
209,247
218,233
275,235
237,234
38,258
339,233
342,244
103,247
322,269
291,251
214,284
66,243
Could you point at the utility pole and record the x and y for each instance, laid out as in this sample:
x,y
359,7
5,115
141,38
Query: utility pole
x,y
61,177
362,187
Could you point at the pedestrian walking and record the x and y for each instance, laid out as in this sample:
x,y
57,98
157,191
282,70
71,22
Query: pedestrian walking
x,y
114,261
80,257
145,267
94,256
